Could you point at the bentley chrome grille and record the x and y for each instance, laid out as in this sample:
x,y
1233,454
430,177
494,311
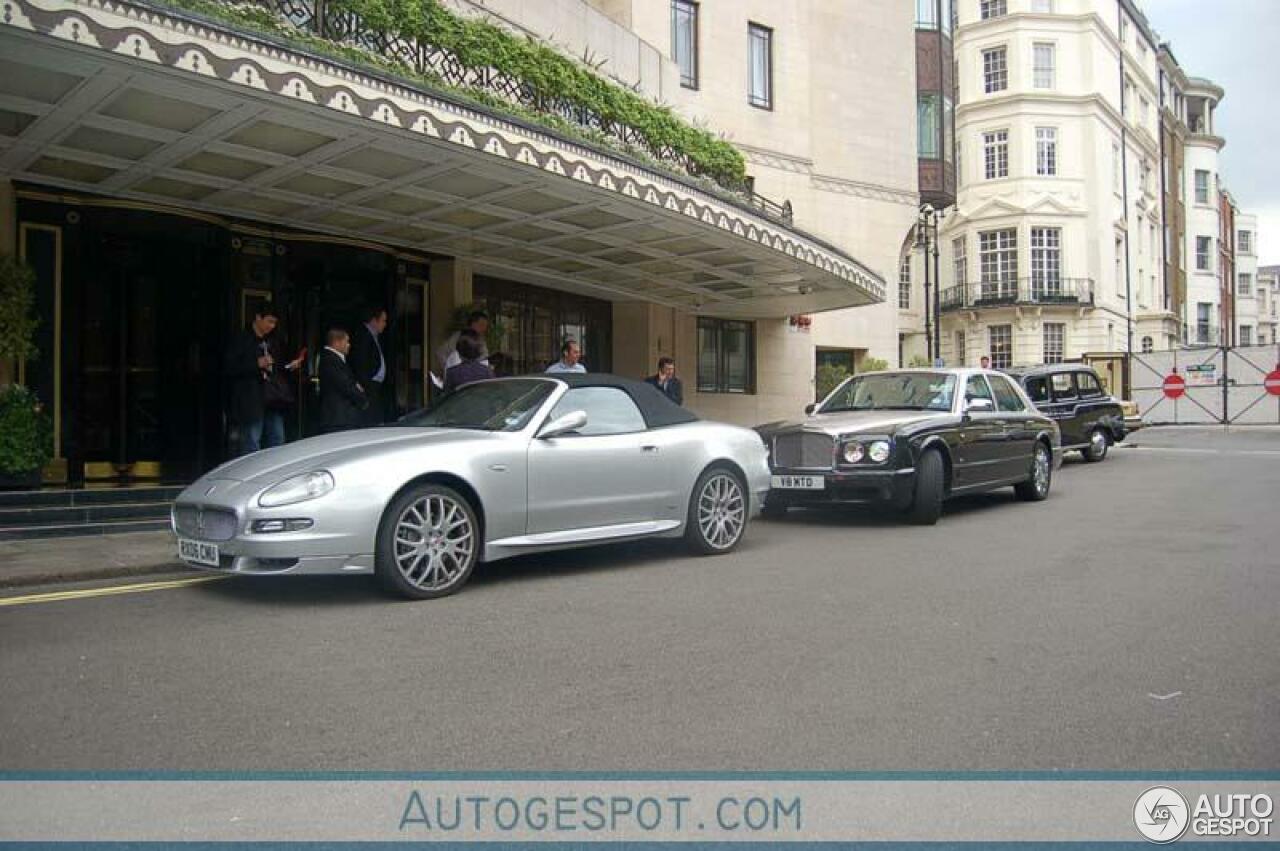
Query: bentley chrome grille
x,y
804,450
206,524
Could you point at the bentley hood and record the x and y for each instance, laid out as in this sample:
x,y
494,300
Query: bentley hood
x,y
852,422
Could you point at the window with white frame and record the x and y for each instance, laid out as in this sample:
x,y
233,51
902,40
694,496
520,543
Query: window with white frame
x,y
1148,345
995,70
993,8
927,14
928,109
959,348
998,263
684,40
995,154
1204,253
1000,342
760,71
1244,284
1055,342
1120,249
1047,151
1044,65
1046,263
1246,335
959,261
1204,312
904,283
1202,186
1146,176
1244,242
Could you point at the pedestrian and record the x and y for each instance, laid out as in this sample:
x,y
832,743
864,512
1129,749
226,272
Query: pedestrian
x,y
368,363
342,401
248,365
469,368
666,381
570,359
478,323
984,362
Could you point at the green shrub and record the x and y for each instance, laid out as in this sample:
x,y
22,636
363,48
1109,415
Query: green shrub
x,y
26,434
18,321
828,378
872,365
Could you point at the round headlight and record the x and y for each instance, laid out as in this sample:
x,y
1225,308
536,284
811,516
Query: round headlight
x,y
297,489
854,452
879,451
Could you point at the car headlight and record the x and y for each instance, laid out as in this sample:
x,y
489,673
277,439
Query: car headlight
x,y
297,489
879,451
854,452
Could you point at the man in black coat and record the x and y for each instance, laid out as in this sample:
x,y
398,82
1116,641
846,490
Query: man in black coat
x,y
247,363
666,380
369,364
342,402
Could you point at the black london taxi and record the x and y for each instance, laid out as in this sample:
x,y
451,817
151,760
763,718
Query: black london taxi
x,y
1091,421
910,439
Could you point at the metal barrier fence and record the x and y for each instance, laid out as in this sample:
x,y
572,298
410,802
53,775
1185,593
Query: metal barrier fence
x,y
1224,385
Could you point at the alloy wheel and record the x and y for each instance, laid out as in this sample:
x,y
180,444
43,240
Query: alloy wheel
x,y
722,511
1040,471
434,542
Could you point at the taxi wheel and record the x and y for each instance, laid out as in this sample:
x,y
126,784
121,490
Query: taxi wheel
x,y
1099,443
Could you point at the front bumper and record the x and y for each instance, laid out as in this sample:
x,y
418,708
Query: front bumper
x,y
859,487
337,543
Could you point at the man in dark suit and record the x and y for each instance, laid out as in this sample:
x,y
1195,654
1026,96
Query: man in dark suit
x,y
342,402
667,382
247,363
368,363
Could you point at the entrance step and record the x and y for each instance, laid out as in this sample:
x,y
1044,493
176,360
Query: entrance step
x,y
88,496
93,511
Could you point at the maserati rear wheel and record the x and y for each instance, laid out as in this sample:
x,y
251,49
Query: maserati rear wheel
x,y
717,512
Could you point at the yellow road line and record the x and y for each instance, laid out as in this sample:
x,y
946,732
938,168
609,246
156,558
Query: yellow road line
x,y
136,588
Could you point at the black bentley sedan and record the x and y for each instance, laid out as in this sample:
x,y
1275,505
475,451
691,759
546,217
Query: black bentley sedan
x,y
912,438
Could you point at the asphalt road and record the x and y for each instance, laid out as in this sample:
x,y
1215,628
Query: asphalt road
x,y
1129,622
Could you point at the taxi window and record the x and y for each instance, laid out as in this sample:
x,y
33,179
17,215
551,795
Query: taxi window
x,y
1063,387
1007,399
1088,384
1038,389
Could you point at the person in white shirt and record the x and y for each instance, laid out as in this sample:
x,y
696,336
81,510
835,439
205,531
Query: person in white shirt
x,y
570,359
447,354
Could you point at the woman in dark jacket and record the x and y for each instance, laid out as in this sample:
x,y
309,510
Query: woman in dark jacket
x,y
471,350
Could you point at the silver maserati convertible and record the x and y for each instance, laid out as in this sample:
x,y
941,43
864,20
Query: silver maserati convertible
x,y
496,469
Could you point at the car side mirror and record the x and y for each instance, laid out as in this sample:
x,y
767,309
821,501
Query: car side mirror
x,y
811,407
978,406
562,425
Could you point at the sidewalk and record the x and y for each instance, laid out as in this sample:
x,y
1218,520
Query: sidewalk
x,y
50,560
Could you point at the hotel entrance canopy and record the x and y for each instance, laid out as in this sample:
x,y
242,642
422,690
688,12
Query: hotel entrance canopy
x,y
134,101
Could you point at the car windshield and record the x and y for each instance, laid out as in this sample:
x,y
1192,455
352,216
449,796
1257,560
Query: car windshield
x,y
505,405
893,391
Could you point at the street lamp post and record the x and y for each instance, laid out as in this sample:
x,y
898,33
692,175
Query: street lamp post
x,y
927,229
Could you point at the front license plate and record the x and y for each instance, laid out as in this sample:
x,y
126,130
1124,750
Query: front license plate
x,y
798,483
198,552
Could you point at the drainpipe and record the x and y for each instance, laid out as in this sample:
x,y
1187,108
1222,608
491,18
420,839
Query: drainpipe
x,y
1124,190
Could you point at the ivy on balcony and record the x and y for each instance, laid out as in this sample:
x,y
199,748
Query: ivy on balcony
x,y
477,61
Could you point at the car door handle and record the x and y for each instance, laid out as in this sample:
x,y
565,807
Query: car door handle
x,y
649,448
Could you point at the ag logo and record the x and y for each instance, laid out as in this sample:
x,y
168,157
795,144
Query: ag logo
x,y
1161,814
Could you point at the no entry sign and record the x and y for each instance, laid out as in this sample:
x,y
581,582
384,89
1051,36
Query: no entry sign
x,y
1272,382
1174,386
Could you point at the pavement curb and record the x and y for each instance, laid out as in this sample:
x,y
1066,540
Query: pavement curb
x,y
63,577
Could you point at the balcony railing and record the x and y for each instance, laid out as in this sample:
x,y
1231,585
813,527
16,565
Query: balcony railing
x,y
1067,292
329,21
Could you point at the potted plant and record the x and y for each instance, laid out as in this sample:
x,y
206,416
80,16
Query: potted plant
x,y
25,430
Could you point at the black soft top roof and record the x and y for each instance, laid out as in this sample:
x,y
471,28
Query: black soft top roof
x,y
657,409
1050,369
